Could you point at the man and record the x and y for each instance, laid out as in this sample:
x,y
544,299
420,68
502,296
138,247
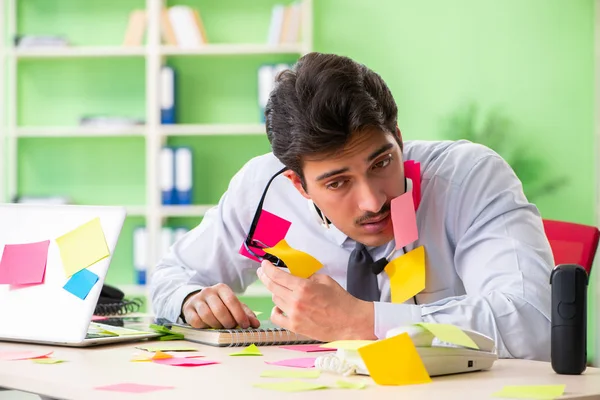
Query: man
x,y
337,163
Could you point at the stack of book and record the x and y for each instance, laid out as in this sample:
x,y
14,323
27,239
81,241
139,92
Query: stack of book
x,y
285,26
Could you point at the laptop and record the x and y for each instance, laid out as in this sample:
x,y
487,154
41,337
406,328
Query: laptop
x,y
54,303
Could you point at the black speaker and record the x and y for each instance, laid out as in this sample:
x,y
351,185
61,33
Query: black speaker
x,y
569,315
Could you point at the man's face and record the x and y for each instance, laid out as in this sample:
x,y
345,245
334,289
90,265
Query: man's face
x,y
354,187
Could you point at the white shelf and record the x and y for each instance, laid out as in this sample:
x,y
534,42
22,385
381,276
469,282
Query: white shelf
x,y
185,211
136,211
77,52
212,129
232,49
79,131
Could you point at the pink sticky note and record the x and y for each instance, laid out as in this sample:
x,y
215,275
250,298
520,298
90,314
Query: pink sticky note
x,y
404,220
13,287
307,362
308,348
412,170
270,229
184,362
24,263
23,355
133,388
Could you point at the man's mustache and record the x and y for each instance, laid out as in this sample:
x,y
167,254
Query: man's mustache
x,y
369,215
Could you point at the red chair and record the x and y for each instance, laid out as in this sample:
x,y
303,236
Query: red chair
x,y
572,243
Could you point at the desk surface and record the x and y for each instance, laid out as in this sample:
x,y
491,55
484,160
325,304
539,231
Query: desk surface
x,y
85,369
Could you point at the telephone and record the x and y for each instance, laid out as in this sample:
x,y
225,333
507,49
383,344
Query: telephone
x,y
439,358
112,302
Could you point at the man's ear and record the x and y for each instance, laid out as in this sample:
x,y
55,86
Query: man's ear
x,y
297,182
399,135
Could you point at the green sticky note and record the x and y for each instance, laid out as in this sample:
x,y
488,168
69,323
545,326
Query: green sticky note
x,y
351,385
257,313
449,333
531,391
282,373
155,348
176,336
251,350
47,360
291,386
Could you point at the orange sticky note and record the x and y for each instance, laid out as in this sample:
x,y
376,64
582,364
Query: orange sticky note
x,y
394,361
407,275
159,355
299,263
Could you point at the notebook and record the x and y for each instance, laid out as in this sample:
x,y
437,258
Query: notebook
x,y
267,335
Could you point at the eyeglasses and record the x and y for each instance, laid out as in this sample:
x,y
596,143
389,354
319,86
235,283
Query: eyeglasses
x,y
251,244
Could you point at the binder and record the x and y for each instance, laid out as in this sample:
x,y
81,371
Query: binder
x,y
167,95
166,240
167,176
265,85
183,175
140,254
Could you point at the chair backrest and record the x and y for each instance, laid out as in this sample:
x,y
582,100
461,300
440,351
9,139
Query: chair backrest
x,y
572,243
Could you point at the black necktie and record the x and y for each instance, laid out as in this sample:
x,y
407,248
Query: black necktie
x,y
362,282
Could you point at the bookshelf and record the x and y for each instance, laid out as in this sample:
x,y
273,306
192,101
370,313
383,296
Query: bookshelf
x,y
218,115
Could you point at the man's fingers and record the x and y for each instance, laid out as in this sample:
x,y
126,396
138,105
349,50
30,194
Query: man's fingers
x,y
278,318
268,274
234,305
192,318
283,278
206,315
254,322
220,311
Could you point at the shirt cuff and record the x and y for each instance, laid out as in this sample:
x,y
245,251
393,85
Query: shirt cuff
x,y
176,301
392,315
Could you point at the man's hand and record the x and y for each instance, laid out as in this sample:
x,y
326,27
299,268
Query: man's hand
x,y
217,307
317,307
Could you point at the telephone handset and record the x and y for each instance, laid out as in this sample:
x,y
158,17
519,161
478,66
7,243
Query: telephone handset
x,y
112,302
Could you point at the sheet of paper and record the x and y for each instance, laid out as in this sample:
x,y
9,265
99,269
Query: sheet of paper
x,y
24,264
251,350
47,360
412,170
23,355
407,275
350,385
270,230
185,362
154,348
82,247
347,344
305,362
404,220
449,333
133,388
307,348
531,391
299,263
286,373
394,361
81,283
291,386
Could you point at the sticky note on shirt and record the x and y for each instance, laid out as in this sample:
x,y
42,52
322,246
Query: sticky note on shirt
x,y
299,263
407,275
270,230
531,392
82,247
81,283
450,334
412,170
404,220
24,264
394,361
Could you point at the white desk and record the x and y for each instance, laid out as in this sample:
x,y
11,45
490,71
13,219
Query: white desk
x,y
233,378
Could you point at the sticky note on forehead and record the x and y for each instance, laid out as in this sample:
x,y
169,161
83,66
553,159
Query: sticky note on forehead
x,y
270,230
299,263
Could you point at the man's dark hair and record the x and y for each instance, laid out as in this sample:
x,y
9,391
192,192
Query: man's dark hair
x,y
320,102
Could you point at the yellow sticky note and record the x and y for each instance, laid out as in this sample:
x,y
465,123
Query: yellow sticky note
x,y
407,275
347,344
350,385
531,391
284,373
449,333
299,263
251,350
141,358
394,361
47,360
82,247
159,355
291,386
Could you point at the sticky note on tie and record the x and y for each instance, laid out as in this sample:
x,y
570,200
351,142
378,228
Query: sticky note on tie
x,y
531,391
450,334
299,263
82,247
24,264
270,230
407,275
394,361
404,220
251,350
81,283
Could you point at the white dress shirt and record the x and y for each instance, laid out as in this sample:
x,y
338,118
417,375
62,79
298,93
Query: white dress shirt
x,y
488,261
